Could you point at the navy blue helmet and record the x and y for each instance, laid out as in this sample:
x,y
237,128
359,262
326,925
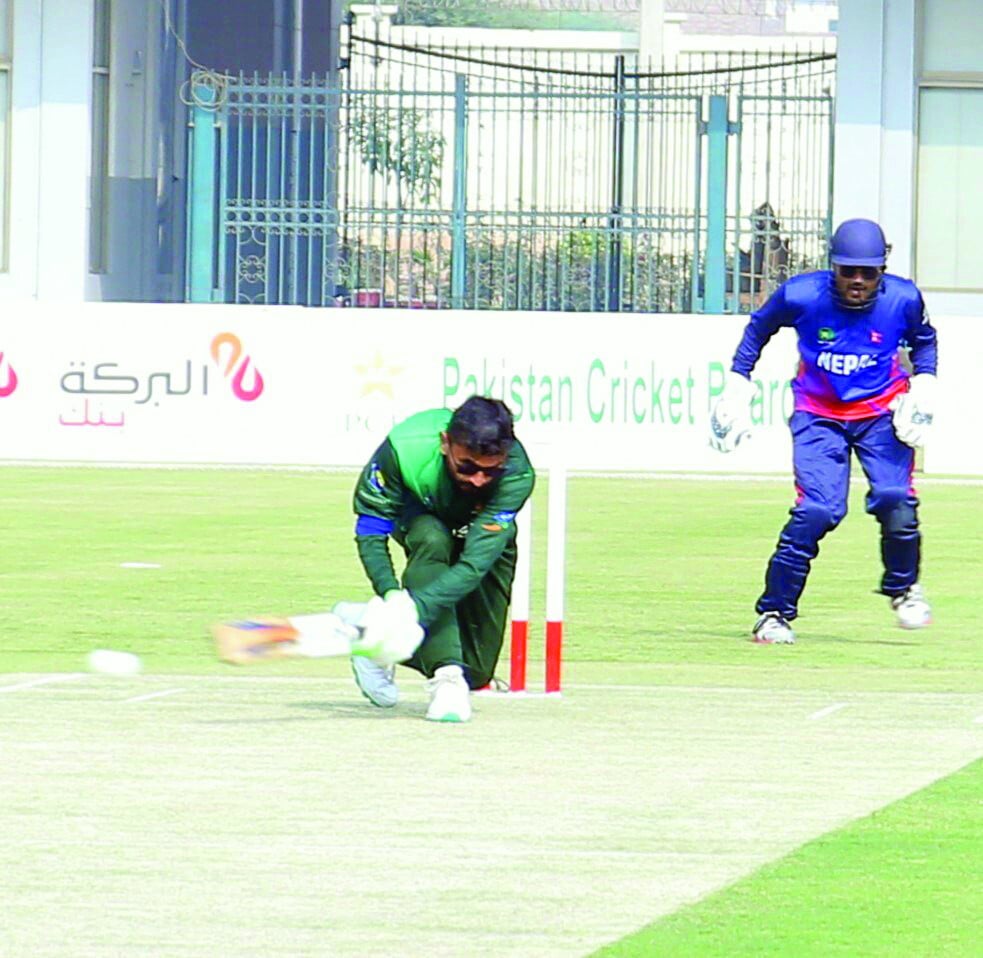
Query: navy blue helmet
x,y
858,243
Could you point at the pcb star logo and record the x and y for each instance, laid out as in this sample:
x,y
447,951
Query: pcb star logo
x,y
377,376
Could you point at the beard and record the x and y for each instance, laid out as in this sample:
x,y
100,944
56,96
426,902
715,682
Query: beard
x,y
473,493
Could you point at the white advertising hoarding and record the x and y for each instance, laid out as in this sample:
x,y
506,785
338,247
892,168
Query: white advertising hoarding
x,y
162,383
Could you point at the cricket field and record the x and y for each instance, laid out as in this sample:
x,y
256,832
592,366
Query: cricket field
x,y
689,793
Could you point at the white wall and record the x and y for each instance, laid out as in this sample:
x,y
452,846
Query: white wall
x,y
148,383
178,383
875,120
49,150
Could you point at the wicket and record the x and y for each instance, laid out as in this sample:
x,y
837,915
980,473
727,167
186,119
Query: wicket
x,y
555,583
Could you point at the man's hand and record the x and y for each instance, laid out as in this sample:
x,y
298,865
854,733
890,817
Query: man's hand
x,y
390,627
730,419
913,411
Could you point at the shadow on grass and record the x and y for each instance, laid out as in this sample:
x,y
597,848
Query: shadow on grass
x,y
321,709
361,710
853,640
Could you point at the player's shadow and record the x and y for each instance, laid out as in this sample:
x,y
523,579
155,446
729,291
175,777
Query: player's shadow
x,y
326,707
358,710
853,640
800,643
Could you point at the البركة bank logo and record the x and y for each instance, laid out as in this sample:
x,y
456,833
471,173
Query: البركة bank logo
x,y
235,351
8,378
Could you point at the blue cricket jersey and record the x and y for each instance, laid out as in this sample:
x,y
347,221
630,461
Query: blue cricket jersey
x,y
849,366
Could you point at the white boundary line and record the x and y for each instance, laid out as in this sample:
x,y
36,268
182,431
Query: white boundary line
x,y
44,680
568,687
829,710
920,478
153,695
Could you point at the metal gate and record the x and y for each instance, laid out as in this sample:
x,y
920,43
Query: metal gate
x,y
437,179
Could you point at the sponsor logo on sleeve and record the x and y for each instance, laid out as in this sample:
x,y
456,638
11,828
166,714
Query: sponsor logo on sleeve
x,y
376,479
499,522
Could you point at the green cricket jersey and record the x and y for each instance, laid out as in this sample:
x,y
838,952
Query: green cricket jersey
x,y
407,477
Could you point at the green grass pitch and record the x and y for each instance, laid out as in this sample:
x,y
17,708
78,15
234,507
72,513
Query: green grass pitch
x,y
661,580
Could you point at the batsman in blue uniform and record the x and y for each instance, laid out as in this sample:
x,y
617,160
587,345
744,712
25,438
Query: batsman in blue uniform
x,y
852,395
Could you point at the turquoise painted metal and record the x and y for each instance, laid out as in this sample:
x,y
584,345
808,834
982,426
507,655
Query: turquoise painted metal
x,y
433,180
202,220
459,244
716,247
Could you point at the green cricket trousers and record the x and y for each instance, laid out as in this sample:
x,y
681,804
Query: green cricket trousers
x,y
471,633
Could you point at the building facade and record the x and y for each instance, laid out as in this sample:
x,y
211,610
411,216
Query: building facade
x,y
93,133
909,138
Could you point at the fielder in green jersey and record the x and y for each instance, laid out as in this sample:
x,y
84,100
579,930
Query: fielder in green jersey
x,y
446,486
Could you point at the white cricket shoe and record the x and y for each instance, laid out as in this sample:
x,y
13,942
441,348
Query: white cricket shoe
x,y
772,629
910,607
377,682
450,697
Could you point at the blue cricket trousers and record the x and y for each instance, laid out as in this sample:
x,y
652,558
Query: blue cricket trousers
x,y
821,462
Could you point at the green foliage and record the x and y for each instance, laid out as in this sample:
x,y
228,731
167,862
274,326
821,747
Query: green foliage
x,y
506,14
397,142
534,270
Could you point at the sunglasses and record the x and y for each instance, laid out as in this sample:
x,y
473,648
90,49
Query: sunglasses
x,y
864,272
467,467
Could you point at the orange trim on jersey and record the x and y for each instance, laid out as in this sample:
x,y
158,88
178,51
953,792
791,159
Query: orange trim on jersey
x,y
848,411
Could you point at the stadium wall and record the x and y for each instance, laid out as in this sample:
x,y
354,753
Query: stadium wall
x,y
167,383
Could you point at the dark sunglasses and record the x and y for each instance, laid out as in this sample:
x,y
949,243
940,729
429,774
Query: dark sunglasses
x,y
466,467
864,272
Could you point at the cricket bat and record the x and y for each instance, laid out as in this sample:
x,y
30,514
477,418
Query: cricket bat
x,y
245,641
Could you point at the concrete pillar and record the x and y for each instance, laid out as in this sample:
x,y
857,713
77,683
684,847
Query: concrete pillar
x,y
875,120
900,106
63,167
651,27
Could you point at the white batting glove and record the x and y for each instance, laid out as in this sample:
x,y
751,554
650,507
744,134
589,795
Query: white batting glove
x,y
730,419
913,411
390,627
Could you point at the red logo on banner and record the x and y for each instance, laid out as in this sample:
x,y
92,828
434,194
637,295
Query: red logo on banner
x,y
8,378
239,389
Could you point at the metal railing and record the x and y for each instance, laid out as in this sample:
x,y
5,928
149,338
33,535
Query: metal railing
x,y
437,179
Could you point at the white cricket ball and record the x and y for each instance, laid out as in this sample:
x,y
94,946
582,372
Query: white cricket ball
x,y
111,662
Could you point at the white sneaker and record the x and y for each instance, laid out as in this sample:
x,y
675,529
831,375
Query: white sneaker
x,y
376,681
450,697
772,629
910,607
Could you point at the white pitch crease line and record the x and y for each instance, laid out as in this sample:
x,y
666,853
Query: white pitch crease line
x,y
829,710
45,680
153,695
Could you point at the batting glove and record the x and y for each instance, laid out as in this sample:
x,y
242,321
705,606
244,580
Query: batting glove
x,y
913,411
391,630
730,419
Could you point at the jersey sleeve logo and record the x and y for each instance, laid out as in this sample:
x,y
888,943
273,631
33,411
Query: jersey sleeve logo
x,y
376,479
499,522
